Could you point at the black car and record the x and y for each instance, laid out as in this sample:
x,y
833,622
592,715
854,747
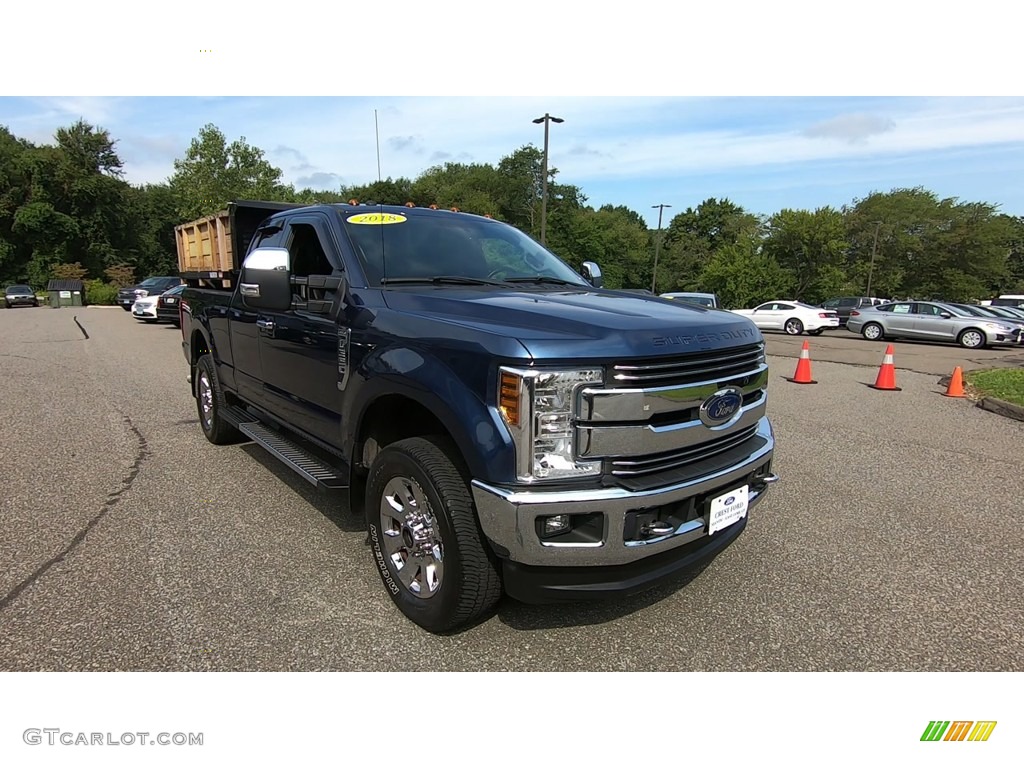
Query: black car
x,y
167,305
148,287
23,295
844,305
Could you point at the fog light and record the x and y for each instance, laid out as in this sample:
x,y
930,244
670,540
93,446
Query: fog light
x,y
556,524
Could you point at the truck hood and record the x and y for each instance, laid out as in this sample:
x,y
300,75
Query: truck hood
x,y
579,323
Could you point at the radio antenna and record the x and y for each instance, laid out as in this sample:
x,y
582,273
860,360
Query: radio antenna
x,y
380,205
376,130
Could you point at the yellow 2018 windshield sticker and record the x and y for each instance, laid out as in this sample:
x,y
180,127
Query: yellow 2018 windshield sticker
x,y
376,218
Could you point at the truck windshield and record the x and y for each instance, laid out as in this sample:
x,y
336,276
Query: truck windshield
x,y
413,246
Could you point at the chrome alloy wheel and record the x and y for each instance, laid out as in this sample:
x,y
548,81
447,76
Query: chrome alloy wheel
x,y
411,538
206,400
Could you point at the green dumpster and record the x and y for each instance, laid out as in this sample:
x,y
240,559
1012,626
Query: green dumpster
x,y
65,293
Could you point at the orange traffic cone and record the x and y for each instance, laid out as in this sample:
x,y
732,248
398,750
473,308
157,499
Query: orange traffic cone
x,y
886,373
803,367
956,384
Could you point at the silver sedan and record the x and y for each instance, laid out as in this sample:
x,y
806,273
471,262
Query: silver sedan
x,y
931,321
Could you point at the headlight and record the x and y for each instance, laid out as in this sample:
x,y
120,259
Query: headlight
x,y
999,327
540,409
139,293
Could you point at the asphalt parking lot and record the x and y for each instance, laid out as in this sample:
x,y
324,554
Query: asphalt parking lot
x,y
130,543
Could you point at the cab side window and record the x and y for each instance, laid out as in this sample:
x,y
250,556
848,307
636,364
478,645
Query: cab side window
x,y
308,257
307,252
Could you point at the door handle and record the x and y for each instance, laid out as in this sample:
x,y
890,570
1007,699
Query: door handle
x,y
266,325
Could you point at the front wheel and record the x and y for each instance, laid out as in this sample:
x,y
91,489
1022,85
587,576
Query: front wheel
x,y
972,338
793,327
126,309
427,543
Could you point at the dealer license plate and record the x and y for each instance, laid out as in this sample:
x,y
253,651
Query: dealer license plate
x,y
727,509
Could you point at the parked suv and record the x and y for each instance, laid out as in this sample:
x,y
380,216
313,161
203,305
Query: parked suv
x,y
20,294
151,286
844,305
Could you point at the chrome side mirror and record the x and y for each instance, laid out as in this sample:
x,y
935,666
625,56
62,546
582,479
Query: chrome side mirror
x,y
266,279
592,274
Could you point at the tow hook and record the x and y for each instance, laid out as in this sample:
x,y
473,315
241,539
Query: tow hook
x,y
656,528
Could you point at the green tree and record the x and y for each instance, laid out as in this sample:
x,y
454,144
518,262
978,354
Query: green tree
x,y
613,236
694,236
1014,258
928,247
743,275
385,192
213,173
812,248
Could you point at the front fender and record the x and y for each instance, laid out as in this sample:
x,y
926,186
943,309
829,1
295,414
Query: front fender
x,y
473,423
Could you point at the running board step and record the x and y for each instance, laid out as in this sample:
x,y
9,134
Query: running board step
x,y
309,467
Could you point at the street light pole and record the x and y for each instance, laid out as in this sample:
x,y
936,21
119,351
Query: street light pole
x,y
871,268
544,192
657,244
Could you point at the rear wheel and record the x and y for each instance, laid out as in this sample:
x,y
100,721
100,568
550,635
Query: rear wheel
x,y
210,403
426,540
817,332
872,332
793,327
971,338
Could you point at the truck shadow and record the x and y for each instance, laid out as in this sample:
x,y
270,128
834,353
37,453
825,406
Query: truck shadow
x,y
513,614
523,617
329,505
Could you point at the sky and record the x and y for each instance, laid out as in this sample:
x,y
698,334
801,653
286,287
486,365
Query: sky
x,y
770,117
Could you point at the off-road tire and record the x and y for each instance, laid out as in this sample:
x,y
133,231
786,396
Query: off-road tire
x,y
217,430
470,585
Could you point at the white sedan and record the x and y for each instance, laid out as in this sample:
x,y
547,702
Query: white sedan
x,y
793,317
145,308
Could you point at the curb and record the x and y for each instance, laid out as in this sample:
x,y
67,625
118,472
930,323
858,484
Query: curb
x,y
1003,408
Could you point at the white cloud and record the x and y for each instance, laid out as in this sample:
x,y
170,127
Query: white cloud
x,y
854,128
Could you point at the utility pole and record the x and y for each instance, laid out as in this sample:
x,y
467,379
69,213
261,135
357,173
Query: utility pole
x,y
871,268
657,244
544,193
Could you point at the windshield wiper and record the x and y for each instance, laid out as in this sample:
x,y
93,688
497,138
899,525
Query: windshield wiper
x,y
439,280
544,279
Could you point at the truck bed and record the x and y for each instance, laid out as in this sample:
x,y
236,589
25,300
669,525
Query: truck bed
x,y
211,248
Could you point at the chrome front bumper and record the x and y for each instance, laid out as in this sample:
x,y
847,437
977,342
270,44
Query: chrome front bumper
x,y
508,516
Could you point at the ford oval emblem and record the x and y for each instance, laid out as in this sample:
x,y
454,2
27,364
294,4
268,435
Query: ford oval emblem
x,y
729,501
721,407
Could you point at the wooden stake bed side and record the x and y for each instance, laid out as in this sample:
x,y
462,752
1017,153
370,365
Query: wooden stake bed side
x,y
205,245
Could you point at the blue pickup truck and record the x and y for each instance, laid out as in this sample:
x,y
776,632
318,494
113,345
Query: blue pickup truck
x,y
505,424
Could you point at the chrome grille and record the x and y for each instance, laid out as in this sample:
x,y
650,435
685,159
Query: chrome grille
x,y
651,464
691,369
